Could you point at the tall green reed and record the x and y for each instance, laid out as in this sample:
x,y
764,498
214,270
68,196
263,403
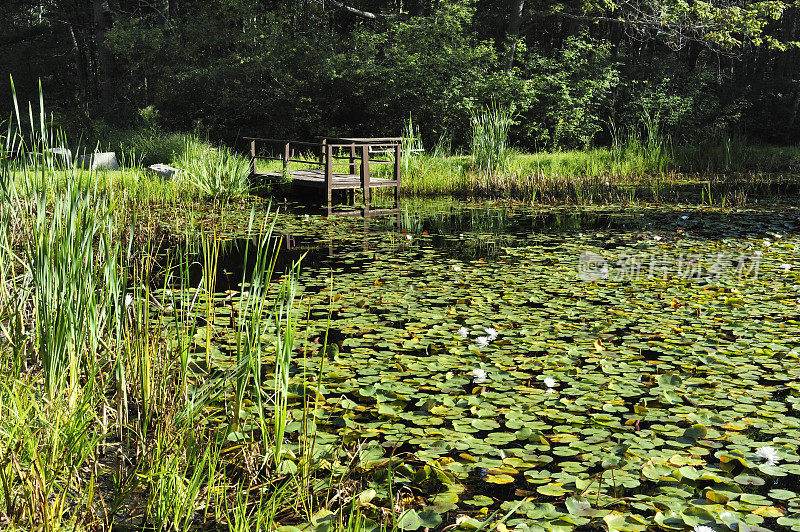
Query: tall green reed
x,y
216,172
286,328
411,144
253,316
491,151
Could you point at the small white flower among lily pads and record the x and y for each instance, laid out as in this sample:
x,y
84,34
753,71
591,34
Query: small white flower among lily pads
x,y
550,382
479,376
492,333
456,268
703,528
786,267
657,238
684,217
409,237
464,332
482,341
769,455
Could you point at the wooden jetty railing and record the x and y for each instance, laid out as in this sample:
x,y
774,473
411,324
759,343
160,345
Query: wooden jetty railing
x,y
352,153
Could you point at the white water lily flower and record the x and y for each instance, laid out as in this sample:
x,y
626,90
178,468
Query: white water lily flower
x,y
456,268
482,341
580,235
409,237
492,333
306,217
786,267
768,454
684,217
757,253
479,376
703,528
767,243
657,238
550,382
464,332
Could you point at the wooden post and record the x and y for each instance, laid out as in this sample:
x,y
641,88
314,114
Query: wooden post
x,y
286,155
252,158
329,175
322,152
365,174
353,159
398,154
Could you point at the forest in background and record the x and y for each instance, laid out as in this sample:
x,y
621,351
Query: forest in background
x,y
576,73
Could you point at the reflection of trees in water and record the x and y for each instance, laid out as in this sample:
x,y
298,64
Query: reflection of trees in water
x,y
457,231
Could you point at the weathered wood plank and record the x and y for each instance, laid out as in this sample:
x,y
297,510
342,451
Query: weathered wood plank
x,y
313,177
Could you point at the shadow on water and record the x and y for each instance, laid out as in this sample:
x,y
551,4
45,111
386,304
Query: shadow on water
x,y
466,232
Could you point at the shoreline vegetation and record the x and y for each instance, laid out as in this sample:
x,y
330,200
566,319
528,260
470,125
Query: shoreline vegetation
x,y
638,166
721,175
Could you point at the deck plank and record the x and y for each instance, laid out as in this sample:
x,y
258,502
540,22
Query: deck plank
x,y
316,178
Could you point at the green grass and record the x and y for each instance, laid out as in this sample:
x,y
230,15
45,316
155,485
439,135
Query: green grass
x,y
607,175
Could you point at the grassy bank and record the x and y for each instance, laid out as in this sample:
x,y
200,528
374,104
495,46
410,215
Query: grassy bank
x,y
602,175
723,174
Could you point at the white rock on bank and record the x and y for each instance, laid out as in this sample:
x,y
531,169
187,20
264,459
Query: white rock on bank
x,y
163,170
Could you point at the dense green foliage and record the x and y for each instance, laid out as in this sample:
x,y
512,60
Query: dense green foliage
x,y
576,75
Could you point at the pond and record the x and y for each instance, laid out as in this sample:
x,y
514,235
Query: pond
x,y
564,366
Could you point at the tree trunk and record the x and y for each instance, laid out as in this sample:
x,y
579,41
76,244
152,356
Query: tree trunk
x,y
172,10
792,116
514,23
105,59
81,70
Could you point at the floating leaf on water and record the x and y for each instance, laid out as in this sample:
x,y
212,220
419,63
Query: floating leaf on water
x,y
781,494
694,433
501,478
624,523
551,490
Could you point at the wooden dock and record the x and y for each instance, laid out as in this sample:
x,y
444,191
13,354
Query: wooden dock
x,y
358,155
